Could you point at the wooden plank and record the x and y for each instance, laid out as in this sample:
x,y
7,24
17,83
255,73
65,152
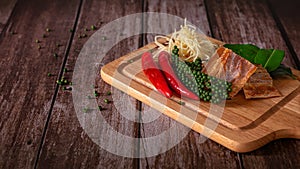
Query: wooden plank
x,y
236,22
66,143
6,8
286,14
191,152
26,90
278,154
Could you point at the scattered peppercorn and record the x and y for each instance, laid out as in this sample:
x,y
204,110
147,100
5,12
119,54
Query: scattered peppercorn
x,y
96,94
71,30
106,101
62,81
181,103
55,55
49,74
39,47
37,41
93,27
100,107
65,69
48,29
108,93
58,82
85,110
130,61
86,29
44,36
103,38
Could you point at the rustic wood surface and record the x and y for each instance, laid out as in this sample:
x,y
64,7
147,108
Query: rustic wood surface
x,y
64,134
6,7
288,24
38,125
26,90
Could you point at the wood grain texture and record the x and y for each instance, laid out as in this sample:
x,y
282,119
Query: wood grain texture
x,y
191,152
289,24
236,22
66,144
26,90
6,7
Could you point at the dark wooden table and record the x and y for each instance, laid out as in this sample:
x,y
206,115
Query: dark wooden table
x,y
38,124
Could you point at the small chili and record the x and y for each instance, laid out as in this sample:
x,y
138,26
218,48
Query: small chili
x,y
155,76
172,79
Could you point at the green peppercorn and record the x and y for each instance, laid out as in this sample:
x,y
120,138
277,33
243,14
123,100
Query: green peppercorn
x,y
58,82
85,110
206,87
96,94
181,103
106,101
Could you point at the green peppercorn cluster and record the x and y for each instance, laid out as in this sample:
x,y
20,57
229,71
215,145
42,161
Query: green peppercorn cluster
x,y
208,88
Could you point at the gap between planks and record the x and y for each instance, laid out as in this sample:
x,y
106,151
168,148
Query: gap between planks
x,y
69,44
6,26
284,34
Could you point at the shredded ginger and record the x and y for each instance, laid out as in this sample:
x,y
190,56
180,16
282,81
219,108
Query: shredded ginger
x,y
191,45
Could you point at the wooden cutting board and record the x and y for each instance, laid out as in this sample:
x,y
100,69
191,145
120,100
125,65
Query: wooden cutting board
x,y
240,125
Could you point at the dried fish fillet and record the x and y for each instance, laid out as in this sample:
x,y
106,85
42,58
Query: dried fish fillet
x,y
260,85
227,65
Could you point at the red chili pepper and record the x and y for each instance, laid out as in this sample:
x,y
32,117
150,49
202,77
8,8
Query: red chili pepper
x,y
171,77
155,76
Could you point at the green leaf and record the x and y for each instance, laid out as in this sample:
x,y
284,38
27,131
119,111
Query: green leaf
x,y
270,59
247,51
282,71
262,56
